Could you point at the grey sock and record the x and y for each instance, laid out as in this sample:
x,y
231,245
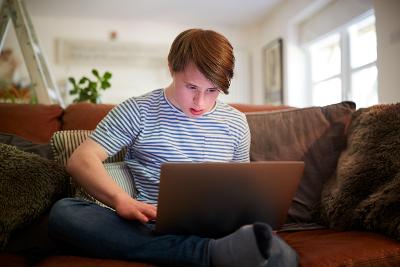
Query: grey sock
x,y
281,254
243,247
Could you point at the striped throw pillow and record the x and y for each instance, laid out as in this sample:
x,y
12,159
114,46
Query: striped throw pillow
x,y
63,144
121,175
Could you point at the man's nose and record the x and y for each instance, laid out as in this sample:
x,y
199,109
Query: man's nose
x,y
198,98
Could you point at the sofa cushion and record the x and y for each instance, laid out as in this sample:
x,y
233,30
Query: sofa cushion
x,y
365,190
14,260
29,184
318,248
84,116
315,135
36,123
77,261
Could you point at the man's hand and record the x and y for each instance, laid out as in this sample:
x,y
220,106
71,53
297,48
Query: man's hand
x,y
131,209
85,165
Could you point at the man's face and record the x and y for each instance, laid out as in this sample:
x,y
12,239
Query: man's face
x,y
192,92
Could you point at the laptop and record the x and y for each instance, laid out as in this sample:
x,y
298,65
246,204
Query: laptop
x,y
215,199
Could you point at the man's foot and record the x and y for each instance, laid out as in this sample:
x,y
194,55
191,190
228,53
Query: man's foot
x,y
251,246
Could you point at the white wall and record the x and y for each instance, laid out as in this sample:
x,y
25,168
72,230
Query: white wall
x,y
131,80
387,13
279,24
286,22
247,86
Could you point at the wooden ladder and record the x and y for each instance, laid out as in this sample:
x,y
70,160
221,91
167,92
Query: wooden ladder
x,y
41,79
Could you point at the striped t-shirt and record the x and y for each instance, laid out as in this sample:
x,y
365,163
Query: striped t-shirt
x,y
155,131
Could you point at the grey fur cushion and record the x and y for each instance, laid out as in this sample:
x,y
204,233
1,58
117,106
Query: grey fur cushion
x,y
365,191
29,184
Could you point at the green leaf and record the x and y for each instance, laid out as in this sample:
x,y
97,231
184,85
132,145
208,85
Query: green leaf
x,y
83,80
92,85
105,85
107,75
89,90
96,73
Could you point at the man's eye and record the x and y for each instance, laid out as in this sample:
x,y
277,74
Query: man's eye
x,y
212,90
191,87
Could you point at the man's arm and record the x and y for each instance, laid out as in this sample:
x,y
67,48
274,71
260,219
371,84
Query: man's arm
x,y
86,167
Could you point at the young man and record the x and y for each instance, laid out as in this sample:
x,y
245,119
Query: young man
x,y
183,122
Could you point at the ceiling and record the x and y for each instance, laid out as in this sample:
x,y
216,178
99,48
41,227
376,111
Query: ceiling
x,y
209,12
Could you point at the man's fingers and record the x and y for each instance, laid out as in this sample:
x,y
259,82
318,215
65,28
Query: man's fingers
x,y
149,210
151,213
140,216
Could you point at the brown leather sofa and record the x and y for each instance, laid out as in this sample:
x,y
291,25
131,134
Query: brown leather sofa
x,y
316,247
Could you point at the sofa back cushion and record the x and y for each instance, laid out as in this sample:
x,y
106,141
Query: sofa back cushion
x,y
315,135
36,123
246,108
84,116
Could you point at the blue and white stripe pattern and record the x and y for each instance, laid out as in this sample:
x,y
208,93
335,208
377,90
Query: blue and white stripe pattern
x,y
156,132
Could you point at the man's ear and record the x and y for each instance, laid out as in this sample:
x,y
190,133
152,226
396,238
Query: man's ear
x,y
170,69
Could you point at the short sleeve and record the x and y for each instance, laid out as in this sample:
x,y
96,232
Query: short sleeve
x,y
242,150
119,128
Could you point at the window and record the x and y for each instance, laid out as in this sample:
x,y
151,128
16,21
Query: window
x,y
343,65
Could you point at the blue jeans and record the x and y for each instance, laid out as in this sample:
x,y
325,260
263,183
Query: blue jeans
x,y
92,230
99,232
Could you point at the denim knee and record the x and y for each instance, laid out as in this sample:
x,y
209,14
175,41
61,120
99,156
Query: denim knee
x,y
63,214
62,208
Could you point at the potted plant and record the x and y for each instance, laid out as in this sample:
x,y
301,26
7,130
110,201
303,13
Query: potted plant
x,y
88,90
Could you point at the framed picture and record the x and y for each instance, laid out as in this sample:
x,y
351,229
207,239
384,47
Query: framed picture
x,y
273,72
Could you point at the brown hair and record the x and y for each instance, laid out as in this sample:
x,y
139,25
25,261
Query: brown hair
x,y
210,51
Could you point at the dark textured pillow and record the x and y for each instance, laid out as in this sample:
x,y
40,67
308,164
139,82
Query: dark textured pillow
x,y
315,135
365,190
43,150
29,184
